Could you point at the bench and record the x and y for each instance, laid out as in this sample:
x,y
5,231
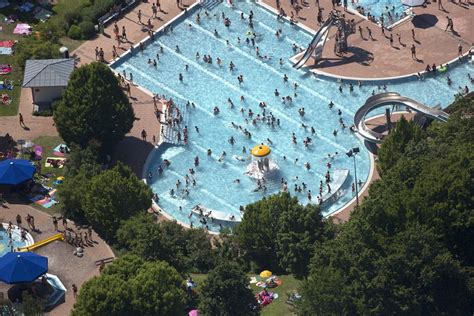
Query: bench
x,y
104,261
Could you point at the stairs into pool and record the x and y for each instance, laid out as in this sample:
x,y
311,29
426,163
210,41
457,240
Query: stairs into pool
x,y
210,4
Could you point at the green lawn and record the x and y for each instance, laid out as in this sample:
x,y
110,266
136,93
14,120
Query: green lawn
x,y
16,75
48,143
278,307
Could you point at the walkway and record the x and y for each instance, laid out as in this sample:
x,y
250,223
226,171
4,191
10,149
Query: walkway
x,y
375,58
69,268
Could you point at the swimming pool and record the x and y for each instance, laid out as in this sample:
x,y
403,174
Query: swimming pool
x,y
209,85
392,10
5,245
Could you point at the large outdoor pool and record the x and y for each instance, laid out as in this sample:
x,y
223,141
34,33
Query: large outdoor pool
x,y
209,85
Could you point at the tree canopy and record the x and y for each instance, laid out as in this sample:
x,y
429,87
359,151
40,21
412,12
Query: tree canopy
x,y
130,286
93,107
225,293
188,250
113,196
279,234
408,249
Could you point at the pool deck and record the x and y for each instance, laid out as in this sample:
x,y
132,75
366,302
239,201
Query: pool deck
x,y
69,268
372,59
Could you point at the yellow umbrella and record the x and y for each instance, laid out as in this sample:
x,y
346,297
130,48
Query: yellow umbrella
x,y
265,274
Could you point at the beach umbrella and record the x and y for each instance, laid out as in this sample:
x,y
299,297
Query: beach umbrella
x,y
16,267
265,274
194,312
16,171
413,3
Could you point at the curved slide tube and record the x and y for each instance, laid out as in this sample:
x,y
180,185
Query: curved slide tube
x,y
320,35
41,243
390,98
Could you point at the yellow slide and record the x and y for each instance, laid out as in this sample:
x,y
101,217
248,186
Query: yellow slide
x,y
41,243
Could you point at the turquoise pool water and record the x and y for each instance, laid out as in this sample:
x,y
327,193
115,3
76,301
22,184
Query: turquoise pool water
x,y
5,245
209,85
392,10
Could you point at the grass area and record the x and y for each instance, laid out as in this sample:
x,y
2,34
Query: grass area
x,y
70,43
48,143
16,76
278,307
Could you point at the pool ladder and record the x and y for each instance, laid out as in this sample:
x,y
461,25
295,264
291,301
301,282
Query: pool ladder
x,y
171,132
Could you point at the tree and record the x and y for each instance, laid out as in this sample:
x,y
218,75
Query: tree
x,y
361,272
130,286
114,196
81,167
188,250
159,290
93,106
279,234
394,146
225,293
257,233
300,230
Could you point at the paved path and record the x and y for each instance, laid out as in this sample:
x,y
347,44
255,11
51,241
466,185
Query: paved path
x,y
69,268
376,58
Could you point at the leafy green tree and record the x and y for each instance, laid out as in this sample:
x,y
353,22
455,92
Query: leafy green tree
x,y
188,250
104,295
32,306
278,233
33,47
114,196
257,233
361,273
394,146
225,293
159,290
93,106
129,286
300,230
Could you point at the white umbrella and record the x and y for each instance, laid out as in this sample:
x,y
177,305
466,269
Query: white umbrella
x,y
413,3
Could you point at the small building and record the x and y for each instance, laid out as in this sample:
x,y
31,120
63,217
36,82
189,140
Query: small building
x,y
47,78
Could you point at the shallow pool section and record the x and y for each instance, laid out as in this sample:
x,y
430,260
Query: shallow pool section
x,y
392,10
209,85
7,245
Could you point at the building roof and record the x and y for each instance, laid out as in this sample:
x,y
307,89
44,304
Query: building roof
x,y
47,72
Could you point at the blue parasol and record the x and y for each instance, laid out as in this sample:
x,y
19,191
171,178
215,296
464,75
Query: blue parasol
x,y
16,171
22,267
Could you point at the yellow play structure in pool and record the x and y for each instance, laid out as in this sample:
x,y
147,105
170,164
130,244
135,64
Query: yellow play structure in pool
x,y
41,243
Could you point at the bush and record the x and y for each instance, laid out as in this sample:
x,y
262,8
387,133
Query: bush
x,y
87,29
74,32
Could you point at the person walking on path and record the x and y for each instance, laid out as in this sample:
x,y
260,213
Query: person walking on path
x,y
413,52
459,50
391,40
22,121
413,34
154,10
139,14
158,5
370,33
55,223
18,220
144,135
74,290
440,6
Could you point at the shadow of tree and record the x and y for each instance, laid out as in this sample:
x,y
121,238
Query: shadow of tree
x,y
134,152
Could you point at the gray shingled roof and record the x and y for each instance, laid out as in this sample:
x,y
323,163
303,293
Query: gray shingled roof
x,y
47,72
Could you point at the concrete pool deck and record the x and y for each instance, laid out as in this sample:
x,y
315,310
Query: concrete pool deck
x,y
372,59
69,268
